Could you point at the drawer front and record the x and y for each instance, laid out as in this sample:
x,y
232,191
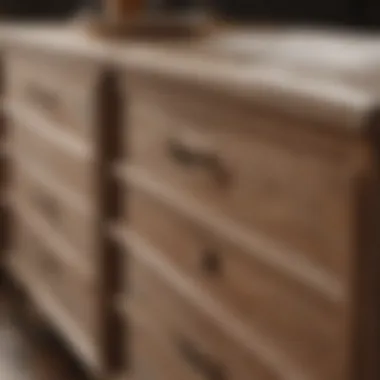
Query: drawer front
x,y
25,245
74,226
74,170
194,343
298,196
64,91
79,295
31,254
74,292
312,329
76,295
152,354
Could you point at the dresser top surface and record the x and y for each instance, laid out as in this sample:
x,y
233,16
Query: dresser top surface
x,y
328,76
55,38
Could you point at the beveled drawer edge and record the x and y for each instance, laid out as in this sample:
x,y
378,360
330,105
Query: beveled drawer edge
x,y
53,185
230,325
48,130
257,245
79,341
63,251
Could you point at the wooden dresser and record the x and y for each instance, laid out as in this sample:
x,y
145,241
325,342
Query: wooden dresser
x,y
53,103
249,222
225,205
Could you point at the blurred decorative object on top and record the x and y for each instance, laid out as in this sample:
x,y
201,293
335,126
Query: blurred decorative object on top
x,y
154,19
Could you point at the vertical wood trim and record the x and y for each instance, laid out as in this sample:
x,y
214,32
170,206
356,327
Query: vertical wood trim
x,y
366,285
109,149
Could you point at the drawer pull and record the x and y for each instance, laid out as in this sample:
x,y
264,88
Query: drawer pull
x,y
211,262
190,155
199,361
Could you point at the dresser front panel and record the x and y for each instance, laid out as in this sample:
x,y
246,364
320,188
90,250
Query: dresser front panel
x,y
297,193
152,354
79,296
311,328
52,102
74,289
185,332
75,167
29,252
75,226
61,89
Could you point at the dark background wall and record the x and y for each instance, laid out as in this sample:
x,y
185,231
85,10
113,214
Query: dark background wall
x,y
37,9
365,13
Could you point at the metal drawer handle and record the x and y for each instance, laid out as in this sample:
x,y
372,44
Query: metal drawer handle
x,y
190,155
211,262
199,361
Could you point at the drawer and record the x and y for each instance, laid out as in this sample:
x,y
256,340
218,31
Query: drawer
x,y
76,226
291,193
63,90
25,246
152,354
312,328
75,169
31,253
79,297
65,299
76,292
191,344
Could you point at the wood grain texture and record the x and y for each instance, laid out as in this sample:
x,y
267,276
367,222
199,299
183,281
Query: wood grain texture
x,y
250,209
61,89
55,152
248,213
56,208
52,104
252,289
270,186
26,353
15,360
